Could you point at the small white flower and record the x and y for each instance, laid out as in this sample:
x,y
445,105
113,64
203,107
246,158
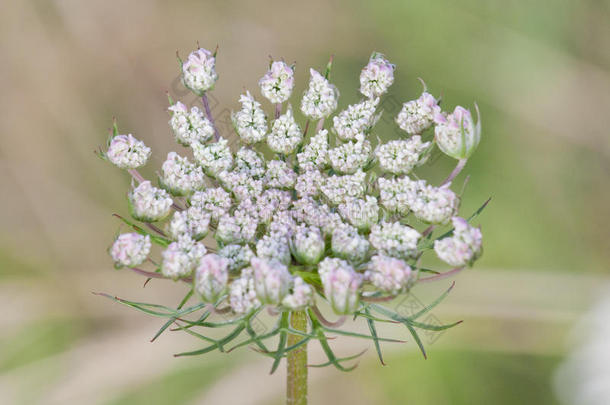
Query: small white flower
x,y
389,274
285,134
242,295
250,162
198,71
357,120
308,183
463,247
273,247
250,122
361,213
126,152
308,245
315,153
148,203
396,195
237,228
213,158
282,224
241,183
347,244
211,277
418,115
239,256
401,156
130,249
271,280
272,201
320,99
350,156
189,126
193,222
377,76
181,257
341,284
215,201
435,205
279,175
456,134
179,176
277,84
339,188
394,239
301,296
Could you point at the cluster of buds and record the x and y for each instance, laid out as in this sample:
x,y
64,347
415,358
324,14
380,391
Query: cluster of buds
x,y
333,216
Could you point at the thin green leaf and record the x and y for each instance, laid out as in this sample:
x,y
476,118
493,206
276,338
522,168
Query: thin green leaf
x,y
159,240
371,325
433,304
428,326
358,335
282,342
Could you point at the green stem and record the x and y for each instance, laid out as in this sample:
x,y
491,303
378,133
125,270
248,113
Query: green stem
x,y
296,388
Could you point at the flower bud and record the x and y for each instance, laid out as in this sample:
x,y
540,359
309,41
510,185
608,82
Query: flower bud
x,y
418,115
198,71
307,245
389,274
456,134
193,222
148,203
189,127
277,84
179,176
126,152
320,99
250,122
211,277
361,213
273,247
242,295
180,258
301,296
130,249
463,247
394,239
238,256
377,76
213,158
271,280
341,284
348,244
285,134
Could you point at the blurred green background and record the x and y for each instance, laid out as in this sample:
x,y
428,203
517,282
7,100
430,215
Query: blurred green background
x,y
539,70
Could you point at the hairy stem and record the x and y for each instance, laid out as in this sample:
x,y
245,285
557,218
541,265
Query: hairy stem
x,y
296,379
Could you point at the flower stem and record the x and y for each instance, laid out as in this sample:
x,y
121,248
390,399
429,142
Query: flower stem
x,y
208,112
458,168
296,387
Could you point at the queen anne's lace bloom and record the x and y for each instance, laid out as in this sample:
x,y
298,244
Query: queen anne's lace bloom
x,y
237,228
285,134
179,176
126,152
193,222
401,156
213,158
272,201
242,295
275,247
339,188
394,239
308,245
320,99
315,153
356,120
148,203
435,205
347,244
190,126
239,256
456,134
377,76
341,284
279,175
199,71
361,213
389,274
250,122
463,247
181,257
418,115
277,84
301,296
271,280
215,201
308,183
350,156
211,277
130,249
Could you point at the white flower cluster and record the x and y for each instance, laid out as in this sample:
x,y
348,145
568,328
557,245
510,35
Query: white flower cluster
x,y
130,249
190,126
277,84
320,99
310,209
463,247
250,122
126,152
179,176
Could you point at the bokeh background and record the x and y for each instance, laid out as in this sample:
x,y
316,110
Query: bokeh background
x,y
535,327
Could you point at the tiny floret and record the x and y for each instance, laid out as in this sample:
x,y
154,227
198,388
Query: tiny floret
x,y
148,203
463,247
341,284
389,274
456,134
418,115
320,99
126,152
277,84
250,122
199,71
189,126
130,249
211,277
377,76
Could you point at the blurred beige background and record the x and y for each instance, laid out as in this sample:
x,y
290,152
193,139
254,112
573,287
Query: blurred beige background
x,y
540,72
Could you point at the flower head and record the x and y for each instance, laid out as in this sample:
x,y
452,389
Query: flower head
x,y
239,256
348,244
301,296
199,71
126,152
181,257
350,156
189,126
308,245
285,134
360,212
148,203
401,156
418,115
193,222
320,99
271,280
389,274
341,284
377,76
456,134
179,176
242,295
250,122
213,158
315,153
394,239
130,249
277,84
463,247
214,201
279,175
211,277
357,120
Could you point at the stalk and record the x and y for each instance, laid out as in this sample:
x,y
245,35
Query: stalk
x,y
296,379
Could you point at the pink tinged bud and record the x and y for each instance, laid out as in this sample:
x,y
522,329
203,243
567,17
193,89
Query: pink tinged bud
x,y
377,76
277,84
271,280
198,71
301,296
126,152
389,274
211,277
456,134
463,247
130,249
148,203
341,285
308,245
